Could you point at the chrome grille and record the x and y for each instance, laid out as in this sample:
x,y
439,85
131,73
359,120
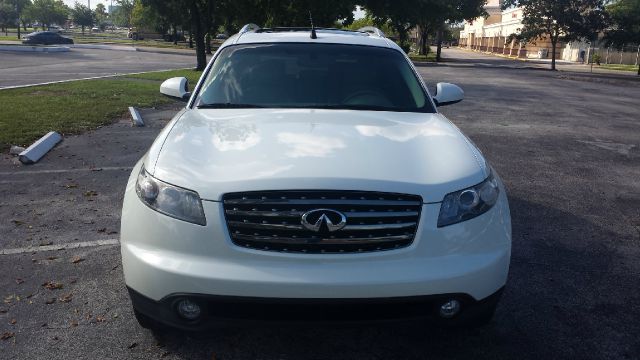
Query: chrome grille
x,y
271,220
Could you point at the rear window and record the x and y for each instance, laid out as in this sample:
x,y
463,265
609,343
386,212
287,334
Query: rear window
x,y
311,75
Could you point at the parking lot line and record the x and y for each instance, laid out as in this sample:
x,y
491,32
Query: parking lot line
x,y
85,78
75,245
58,171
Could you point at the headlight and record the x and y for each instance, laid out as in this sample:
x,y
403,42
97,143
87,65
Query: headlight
x,y
170,200
468,203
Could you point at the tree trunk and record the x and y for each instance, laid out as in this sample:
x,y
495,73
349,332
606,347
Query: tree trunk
x,y
201,57
553,53
209,26
82,30
439,49
175,35
423,40
190,38
208,43
18,29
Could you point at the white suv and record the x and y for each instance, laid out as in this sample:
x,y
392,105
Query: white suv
x,y
310,177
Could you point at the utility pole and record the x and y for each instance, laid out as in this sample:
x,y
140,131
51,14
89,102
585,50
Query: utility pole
x,y
89,3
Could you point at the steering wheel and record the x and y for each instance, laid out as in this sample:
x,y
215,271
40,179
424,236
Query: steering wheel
x,y
367,97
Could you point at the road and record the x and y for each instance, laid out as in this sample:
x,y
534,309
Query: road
x,y
568,151
22,68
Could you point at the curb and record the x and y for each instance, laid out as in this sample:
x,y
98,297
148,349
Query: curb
x,y
105,47
27,48
168,52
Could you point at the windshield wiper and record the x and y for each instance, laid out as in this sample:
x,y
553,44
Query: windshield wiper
x,y
228,106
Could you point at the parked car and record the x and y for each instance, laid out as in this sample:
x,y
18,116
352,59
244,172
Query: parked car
x,y
56,29
222,36
45,38
310,176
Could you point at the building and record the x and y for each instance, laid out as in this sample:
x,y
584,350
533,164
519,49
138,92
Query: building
x,y
491,34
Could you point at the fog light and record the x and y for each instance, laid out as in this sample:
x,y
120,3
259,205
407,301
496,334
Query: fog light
x,y
450,309
188,309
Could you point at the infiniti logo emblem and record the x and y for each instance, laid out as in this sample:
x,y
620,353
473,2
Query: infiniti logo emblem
x,y
332,219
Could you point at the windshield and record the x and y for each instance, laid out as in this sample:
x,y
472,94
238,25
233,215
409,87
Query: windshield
x,y
324,76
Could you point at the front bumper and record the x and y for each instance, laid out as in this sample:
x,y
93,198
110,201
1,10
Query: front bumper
x,y
242,311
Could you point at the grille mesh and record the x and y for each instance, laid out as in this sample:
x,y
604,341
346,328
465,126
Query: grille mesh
x,y
271,220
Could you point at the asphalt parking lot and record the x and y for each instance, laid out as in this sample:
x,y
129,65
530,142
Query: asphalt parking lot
x,y
567,147
22,68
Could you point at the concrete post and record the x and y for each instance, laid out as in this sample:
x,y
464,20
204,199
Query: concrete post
x,y
519,50
621,53
637,55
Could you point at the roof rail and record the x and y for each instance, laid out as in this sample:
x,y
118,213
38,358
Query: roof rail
x,y
373,30
249,28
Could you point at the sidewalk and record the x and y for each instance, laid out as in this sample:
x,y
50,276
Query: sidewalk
x,y
564,67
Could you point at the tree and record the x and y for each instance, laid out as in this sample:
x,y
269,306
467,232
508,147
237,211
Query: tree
x,y
454,12
559,20
203,15
625,23
169,13
401,15
144,17
82,16
19,13
48,12
427,16
23,14
122,14
8,15
100,15
100,11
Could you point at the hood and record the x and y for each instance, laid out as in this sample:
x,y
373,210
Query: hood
x,y
215,151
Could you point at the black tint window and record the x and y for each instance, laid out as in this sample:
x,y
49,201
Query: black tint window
x,y
313,76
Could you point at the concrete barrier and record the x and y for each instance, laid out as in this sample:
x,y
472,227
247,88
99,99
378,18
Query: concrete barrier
x,y
39,148
135,115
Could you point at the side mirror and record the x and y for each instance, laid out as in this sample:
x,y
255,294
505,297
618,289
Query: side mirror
x,y
177,87
447,94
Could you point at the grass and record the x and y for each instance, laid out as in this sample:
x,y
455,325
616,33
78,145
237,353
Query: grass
x,y
619,67
430,57
74,107
9,38
160,76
